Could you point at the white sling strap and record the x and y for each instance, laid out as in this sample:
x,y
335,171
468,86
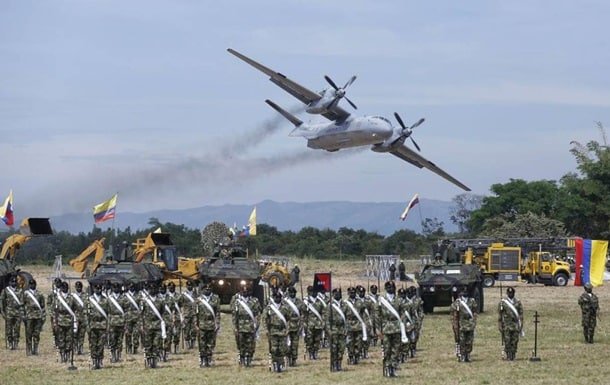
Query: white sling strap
x,y
245,306
279,315
78,300
208,306
33,297
98,307
132,301
313,309
513,309
152,307
466,307
116,304
294,307
403,333
189,297
353,309
65,305
338,309
12,293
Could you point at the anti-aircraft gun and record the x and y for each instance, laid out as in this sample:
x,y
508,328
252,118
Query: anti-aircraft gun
x,y
438,278
30,227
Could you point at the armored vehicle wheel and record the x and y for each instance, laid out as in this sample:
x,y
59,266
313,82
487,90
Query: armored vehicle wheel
x,y
560,279
488,280
23,279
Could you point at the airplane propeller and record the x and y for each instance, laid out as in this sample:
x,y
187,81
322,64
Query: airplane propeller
x,y
407,131
340,92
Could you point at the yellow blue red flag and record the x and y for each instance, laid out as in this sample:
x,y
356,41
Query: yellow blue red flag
x,y
105,210
590,261
6,210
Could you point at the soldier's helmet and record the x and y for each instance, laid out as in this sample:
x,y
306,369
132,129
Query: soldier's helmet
x,y
78,284
390,284
588,287
292,290
510,290
402,292
309,289
32,283
336,291
351,290
64,287
360,289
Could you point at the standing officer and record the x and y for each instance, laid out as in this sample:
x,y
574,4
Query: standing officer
x,y
154,327
510,322
178,319
275,318
367,315
132,316
188,306
295,323
11,308
35,315
67,322
336,328
246,310
80,299
589,307
465,318
391,328
314,323
356,327
372,301
207,319
417,307
97,323
116,321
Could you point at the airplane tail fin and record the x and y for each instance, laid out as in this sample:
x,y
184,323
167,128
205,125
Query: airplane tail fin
x,y
293,119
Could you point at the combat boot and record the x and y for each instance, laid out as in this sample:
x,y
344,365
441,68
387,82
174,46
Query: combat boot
x,y
412,352
248,360
339,366
35,349
391,371
201,361
467,357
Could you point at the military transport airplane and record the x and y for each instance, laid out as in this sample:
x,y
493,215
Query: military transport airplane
x,y
345,130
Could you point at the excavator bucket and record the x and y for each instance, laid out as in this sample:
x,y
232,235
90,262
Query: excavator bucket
x,y
161,239
35,226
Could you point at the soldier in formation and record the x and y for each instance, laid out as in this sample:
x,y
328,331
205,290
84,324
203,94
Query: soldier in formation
x,y
295,323
417,305
245,310
172,299
97,310
207,320
51,300
336,329
275,318
132,317
80,299
154,328
314,323
11,307
372,300
356,327
465,321
168,318
410,322
188,306
116,322
391,328
67,322
368,311
510,323
34,316
589,306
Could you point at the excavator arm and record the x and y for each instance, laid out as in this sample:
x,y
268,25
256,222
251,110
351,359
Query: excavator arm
x,y
96,248
12,244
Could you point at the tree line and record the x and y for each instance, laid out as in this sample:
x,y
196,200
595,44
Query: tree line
x,y
576,205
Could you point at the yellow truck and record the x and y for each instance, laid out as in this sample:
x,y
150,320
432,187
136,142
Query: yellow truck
x,y
534,260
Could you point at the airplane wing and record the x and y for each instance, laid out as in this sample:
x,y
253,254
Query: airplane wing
x,y
304,94
405,153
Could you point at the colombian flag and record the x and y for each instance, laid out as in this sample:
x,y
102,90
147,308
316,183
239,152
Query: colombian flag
x,y
590,262
412,203
6,210
105,210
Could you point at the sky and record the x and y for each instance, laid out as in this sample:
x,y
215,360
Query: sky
x,y
142,98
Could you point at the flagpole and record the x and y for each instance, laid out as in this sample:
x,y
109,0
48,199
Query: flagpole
x,y
113,235
421,220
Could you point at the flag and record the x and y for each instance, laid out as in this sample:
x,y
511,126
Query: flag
x,y
322,283
590,262
413,202
105,210
6,210
252,222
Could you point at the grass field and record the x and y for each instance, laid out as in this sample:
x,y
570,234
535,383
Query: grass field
x,y
566,359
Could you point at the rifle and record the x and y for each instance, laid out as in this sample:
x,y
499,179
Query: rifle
x,y
502,325
330,321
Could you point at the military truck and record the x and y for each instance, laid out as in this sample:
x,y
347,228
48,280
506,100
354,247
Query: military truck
x,y
440,279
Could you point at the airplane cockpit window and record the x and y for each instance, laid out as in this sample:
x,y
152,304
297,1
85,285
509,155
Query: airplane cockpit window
x,y
382,118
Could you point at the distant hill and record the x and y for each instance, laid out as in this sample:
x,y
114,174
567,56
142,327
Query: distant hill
x,y
382,217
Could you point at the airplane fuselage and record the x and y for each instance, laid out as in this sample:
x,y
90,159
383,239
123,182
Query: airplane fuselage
x,y
353,132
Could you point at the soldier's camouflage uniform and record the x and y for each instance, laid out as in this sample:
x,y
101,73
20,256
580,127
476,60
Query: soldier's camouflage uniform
x,y
244,327
116,324
510,325
208,323
132,318
295,327
371,301
277,333
188,306
65,324
35,315
418,306
589,306
354,329
314,325
11,308
409,315
177,320
389,326
465,323
336,329
80,302
97,327
152,330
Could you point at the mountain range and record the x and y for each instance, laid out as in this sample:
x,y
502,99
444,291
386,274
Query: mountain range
x,y
380,217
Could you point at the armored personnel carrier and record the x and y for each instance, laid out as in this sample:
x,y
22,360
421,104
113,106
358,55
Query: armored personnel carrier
x,y
125,273
439,279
